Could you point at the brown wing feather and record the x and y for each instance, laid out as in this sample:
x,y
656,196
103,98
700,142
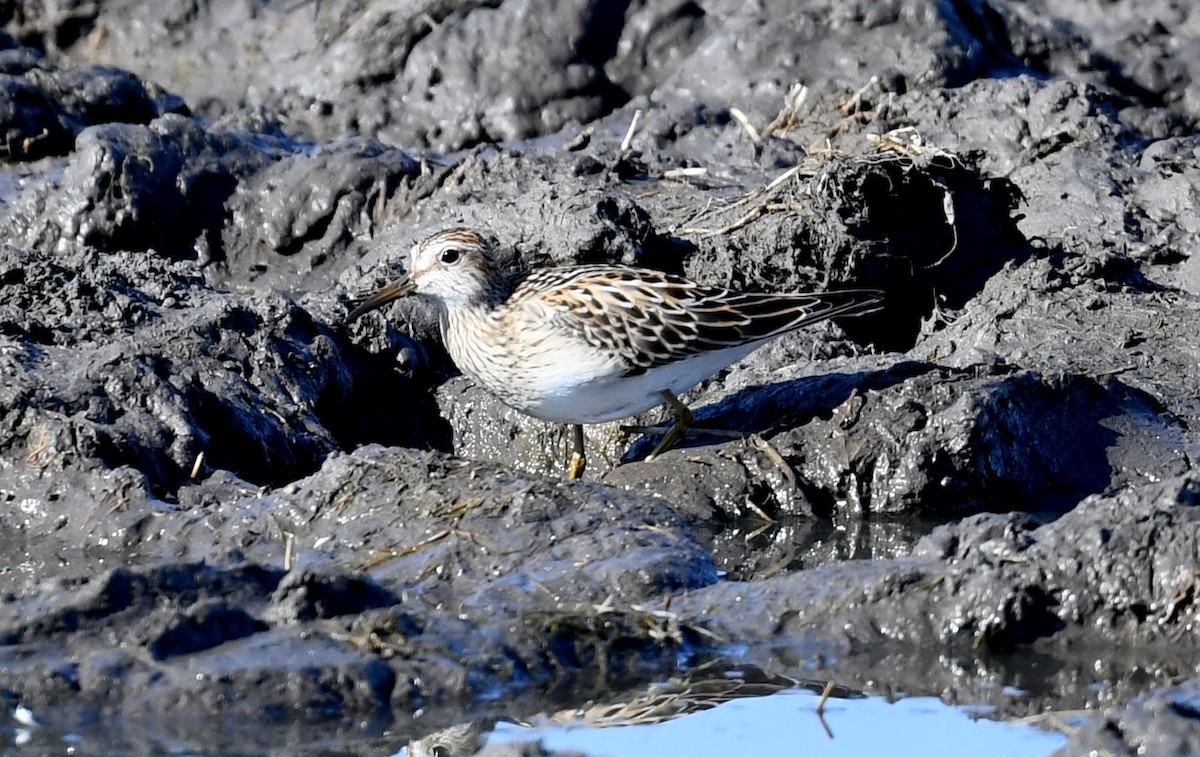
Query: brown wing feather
x,y
651,318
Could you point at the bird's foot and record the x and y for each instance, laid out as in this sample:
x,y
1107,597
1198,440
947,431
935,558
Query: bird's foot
x,y
696,430
667,442
576,466
665,430
683,420
578,456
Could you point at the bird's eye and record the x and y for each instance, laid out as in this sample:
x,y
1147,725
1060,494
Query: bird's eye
x,y
450,256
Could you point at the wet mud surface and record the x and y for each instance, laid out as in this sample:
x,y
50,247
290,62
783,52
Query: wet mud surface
x,y
221,504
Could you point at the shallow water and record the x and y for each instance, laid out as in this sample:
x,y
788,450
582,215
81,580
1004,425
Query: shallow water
x,y
787,723
778,724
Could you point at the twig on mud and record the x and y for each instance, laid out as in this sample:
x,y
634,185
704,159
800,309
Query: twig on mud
x,y
1056,719
608,605
119,499
1184,597
824,697
749,197
904,142
37,458
755,212
821,708
695,217
683,173
849,412
121,503
626,164
948,212
853,112
744,121
289,549
852,106
767,194
341,503
789,114
633,124
759,531
675,626
288,538
459,171
458,509
579,141
1115,371
383,555
781,178
759,511
768,449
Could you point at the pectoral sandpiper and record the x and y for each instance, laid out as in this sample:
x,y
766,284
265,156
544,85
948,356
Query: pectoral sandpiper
x,y
594,343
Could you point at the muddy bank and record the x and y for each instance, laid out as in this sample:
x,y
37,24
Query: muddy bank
x,y
218,500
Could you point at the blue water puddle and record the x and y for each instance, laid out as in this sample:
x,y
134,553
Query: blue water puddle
x,y
783,723
787,723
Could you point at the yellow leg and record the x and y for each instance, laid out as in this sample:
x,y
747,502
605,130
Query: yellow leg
x,y
683,420
578,458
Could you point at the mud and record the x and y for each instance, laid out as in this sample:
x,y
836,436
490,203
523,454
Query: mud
x,y
221,504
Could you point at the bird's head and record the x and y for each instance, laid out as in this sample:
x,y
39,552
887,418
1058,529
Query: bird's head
x,y
456,268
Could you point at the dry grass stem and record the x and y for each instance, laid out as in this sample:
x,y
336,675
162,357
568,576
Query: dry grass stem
x,y
744,121
768,449
767,194
854,104
789,115
289,549
633,124
197,465
683,173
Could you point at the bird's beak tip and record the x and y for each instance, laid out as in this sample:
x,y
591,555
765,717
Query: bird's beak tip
x,y
379,299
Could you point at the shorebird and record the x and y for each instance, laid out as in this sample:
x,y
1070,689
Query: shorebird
x,y
594,343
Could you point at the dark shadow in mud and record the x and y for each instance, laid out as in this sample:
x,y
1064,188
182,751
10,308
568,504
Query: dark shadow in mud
x,y
980,28
930,231
773,408
919,438
384,406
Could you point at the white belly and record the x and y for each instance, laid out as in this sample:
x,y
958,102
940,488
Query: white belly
x,y
562,398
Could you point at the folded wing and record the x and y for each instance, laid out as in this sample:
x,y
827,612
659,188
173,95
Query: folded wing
x,y
651,318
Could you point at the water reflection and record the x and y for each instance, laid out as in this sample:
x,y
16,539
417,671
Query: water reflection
x,y
753,549
785,722
700,690
459,740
